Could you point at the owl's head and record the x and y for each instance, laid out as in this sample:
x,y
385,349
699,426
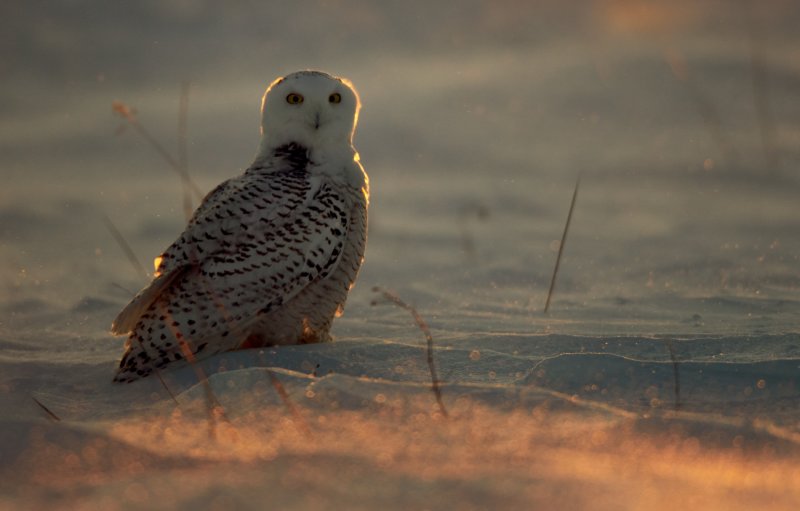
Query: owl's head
x,y
310,108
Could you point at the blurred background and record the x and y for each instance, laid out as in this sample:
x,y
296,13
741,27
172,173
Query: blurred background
x,y
682,120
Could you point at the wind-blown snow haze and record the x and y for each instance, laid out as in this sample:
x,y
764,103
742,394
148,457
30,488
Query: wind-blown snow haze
x,y
665,375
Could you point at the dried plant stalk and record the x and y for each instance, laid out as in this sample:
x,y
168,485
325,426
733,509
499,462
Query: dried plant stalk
x,y
52,416
126,248
289,404
392,297
561,246
129,115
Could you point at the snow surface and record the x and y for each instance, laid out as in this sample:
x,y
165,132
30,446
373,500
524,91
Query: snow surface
x,y
666,375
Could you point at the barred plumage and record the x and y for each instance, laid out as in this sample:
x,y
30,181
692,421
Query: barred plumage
x,y
269,256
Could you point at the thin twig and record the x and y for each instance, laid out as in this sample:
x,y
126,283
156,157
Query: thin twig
x,y
561,245
164,384
50,414
392,297
289,404
213,406
132,294
127,113
126,248
478,211
137,266
676,376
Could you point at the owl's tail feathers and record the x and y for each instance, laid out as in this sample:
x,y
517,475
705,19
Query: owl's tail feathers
x,y
136,363
127,319
128,376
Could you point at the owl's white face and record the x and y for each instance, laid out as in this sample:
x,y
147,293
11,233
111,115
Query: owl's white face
x,y
310,108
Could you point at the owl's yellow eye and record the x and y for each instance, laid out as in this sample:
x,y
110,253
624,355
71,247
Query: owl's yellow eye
x,y
335,98
294,99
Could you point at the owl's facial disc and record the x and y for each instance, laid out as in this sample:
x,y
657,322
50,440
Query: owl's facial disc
x,y
309,108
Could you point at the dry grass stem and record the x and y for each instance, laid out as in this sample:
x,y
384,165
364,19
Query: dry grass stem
x,y
561,246
676,375
164,384
126,248
473,211
137,266
392,297
129,115
214,408
289,404
52,416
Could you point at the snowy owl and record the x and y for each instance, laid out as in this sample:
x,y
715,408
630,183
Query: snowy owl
x,y
269,256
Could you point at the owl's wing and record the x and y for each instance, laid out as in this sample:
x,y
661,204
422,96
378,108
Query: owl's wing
x,y
288,254
284,237
127,318
167,274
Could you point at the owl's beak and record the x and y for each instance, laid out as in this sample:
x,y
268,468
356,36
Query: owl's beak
x,y
316,121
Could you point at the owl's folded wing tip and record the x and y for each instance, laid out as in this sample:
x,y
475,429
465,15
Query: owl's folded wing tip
x,y
126,320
